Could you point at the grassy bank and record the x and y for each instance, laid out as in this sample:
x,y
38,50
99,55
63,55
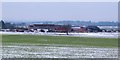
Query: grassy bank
x,y
63,40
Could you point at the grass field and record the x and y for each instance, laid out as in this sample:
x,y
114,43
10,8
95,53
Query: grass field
x,y
60,40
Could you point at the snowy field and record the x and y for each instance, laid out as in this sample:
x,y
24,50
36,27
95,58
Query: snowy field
x,y
97,35
60,52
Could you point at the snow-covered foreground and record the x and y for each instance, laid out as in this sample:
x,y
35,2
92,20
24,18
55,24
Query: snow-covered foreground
x,y
100,35
60,52
57,52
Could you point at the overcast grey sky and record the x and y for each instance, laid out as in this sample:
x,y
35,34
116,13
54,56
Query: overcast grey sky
x,y
60,0
56,11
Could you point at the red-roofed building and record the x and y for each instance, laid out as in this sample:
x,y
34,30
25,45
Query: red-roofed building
x,y
52,27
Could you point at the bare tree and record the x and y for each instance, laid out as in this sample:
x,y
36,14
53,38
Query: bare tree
x,y
67,28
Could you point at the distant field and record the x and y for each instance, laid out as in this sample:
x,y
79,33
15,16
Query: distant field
x,y
60,40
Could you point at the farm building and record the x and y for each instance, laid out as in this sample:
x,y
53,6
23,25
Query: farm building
x,y
93,29
78,29
49,27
